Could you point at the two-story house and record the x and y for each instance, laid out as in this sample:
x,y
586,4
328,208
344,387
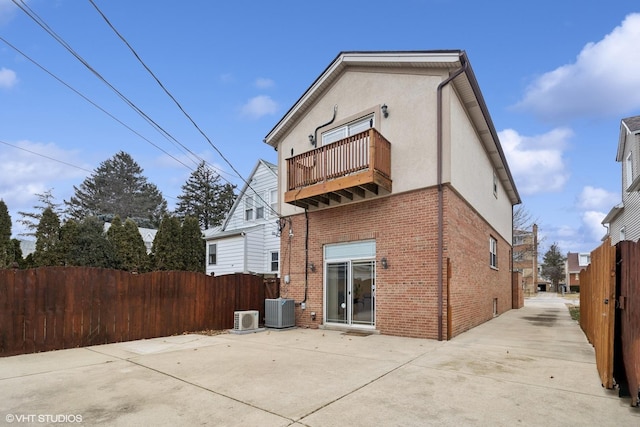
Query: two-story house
x,y
623,220
248,240
396,198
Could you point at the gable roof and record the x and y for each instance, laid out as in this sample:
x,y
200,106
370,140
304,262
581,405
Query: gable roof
x,y
465,84
270,166
630,125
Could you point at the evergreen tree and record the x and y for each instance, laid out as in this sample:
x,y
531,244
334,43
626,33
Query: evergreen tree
x,y
129,247
91,247
167,253
205,197
117,187
17,254
553,265
193,246
68,238
47,237
30,220
6,247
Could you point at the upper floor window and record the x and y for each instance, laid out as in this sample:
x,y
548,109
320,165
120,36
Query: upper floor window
x,y
248,208
275,259
495,184
349,129
493,252
584,259
629,169
273,201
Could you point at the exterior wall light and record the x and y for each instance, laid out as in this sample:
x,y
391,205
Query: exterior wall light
x,y
312,140
312,267
384,108
385,265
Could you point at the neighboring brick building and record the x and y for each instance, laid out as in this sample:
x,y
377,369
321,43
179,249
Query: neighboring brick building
x,y
575,263
525,258
396,198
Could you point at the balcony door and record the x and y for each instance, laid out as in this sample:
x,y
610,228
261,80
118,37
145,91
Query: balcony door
x,y
349,291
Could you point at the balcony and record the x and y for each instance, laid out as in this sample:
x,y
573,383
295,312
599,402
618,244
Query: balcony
x,y
351,169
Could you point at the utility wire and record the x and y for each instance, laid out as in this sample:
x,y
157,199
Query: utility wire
x,y
47,157
90,101
133,51
34,16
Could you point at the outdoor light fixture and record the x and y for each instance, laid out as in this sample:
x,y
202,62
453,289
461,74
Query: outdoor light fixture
x,y
384,263
385,113
312,267
312,140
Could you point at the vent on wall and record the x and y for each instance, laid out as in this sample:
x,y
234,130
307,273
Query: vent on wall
x,y
279,313
245,320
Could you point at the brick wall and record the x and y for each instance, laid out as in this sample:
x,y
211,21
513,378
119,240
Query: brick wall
x,y
405,229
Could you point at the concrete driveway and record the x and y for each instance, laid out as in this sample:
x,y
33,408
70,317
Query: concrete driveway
x,y
531,367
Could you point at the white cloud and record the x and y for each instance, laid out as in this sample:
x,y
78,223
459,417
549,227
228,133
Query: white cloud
x,y
604,79
8,78
592,198
592,221
23,174
259,106
263,83
536,162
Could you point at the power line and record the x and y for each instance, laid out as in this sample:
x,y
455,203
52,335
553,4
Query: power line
x,y
90,101
47,157
38,20
133,51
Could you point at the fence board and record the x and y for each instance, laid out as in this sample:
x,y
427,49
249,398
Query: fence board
x,y
629,305
597,305
64,307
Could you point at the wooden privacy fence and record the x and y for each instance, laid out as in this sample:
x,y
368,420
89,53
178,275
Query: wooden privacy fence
x,y
63,307
610,313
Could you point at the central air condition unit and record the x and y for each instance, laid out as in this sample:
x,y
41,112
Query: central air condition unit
x,y
279,313
245,320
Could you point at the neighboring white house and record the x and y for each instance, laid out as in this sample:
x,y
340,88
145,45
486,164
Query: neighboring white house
x,y
623,221
248,240
148,235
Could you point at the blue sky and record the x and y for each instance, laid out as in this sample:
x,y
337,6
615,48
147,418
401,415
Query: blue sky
x,y
557,77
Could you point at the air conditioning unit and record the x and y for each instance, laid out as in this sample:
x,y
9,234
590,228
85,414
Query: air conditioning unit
x,y
245,320
279,313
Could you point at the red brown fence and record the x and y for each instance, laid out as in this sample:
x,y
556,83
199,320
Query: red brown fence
x,y
628,303
610,313
63,307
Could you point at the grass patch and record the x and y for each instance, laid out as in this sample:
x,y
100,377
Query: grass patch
x,y
574,311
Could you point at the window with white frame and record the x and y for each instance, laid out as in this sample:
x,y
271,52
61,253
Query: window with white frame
x,y
495,184
349,129
259,208
629,169
275,260
493,252
213,254
248,208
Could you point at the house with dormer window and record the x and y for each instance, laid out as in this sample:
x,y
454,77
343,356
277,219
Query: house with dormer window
x,y
248,240
396,198
623,220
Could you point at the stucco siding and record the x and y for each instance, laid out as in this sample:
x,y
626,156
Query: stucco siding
x,y
472,173
410,127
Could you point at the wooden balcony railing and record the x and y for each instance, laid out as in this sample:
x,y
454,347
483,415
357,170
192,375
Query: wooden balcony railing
x,y
359,160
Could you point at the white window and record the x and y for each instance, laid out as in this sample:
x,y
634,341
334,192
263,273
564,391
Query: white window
x,y
629,169
584,259
213,256
349,129
493,252
495,184
275,260
248,208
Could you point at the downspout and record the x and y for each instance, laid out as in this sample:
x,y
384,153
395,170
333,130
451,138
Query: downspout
x,y
440,192
245,261
306,257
